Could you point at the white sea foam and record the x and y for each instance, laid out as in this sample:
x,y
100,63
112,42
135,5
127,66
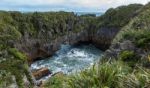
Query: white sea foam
x,y
70,59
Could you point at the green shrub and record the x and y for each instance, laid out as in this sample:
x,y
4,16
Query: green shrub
x,y
127,56
143,40
17,54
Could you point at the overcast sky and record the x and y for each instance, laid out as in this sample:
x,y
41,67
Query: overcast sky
x,y
64,5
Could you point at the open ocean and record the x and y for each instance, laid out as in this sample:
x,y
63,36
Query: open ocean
x,y
84,13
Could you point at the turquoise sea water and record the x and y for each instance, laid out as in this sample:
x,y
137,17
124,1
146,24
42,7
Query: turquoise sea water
x,y
70,59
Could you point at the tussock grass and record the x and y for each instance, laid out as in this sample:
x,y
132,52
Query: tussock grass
x,y
114,74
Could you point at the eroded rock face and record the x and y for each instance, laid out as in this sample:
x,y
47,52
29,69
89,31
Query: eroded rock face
x,y
103,37
41,73
37,49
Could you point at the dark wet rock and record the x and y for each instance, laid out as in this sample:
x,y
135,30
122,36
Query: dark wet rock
x,y
111,54
39,83
58,74
41,73
115,46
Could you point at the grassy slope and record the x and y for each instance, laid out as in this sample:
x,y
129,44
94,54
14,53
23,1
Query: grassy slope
x,y
115,74
137,26
118,17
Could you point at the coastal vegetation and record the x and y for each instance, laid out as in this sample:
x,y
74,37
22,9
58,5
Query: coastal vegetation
x,y
129,67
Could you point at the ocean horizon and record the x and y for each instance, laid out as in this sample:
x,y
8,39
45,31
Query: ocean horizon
x,y
77,13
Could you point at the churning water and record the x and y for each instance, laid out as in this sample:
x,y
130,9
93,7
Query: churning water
x,y
70,59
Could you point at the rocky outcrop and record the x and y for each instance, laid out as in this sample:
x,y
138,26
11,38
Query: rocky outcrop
x,y
103,37
26,81
14,84
126,45
41,73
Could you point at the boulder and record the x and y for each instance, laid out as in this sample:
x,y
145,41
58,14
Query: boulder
x,y
26,81
38,74
127,45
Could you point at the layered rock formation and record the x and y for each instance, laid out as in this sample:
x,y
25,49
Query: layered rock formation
x,y
41,73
